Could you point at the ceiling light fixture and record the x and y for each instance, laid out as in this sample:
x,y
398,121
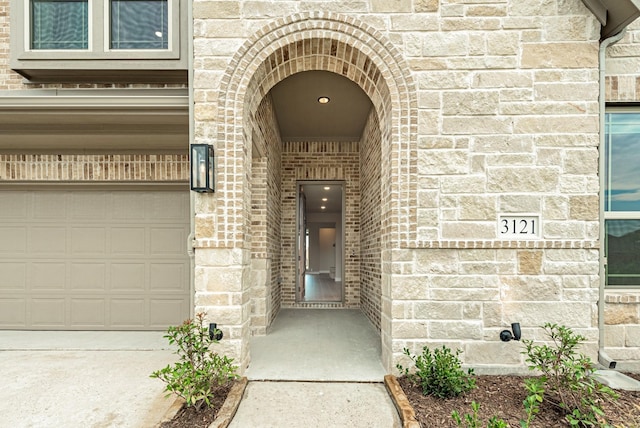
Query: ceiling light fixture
x,y
324,100
324,199
323,207
327,188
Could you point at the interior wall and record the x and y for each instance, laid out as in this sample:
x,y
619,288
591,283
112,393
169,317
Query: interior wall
x,y
265,290
370,223
328,161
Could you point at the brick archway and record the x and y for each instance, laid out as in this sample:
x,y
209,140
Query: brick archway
x,y
329,42
306,42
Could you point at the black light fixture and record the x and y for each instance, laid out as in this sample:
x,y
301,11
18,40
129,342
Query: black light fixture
x,y
202,168
506,335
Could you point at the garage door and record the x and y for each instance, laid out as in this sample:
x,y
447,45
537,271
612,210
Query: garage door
x,y
93,260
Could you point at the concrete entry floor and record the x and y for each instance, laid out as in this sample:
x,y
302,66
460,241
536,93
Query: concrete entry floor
x,y
331,345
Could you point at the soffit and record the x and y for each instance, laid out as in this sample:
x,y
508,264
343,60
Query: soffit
x,y
614,15
302,118
94,120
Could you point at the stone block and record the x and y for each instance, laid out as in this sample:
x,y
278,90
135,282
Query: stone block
x,y
436,262
530,262
523,288
452,330
470,103
492,353
584,207
216,9
410,288
421,6
554,55
614,336
523,179
469,230
391,6
438,310
571,314
618,314
409,329
477,207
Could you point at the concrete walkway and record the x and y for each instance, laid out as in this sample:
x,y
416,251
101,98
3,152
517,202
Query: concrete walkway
x,y
316,368
82,379
315,405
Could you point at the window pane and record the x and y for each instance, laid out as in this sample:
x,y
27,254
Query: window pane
x,y
59,24
622,157
139,24
623,252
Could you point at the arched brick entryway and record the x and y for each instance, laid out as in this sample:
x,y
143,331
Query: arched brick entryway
x,y
305,42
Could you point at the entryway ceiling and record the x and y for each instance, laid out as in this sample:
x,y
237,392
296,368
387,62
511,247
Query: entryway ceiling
x,y
302,118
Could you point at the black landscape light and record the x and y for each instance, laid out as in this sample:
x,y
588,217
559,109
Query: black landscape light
x,y
214,333
506,335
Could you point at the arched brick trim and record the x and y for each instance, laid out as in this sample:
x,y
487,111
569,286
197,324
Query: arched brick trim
x,y
319,41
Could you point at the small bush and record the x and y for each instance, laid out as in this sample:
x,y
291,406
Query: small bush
x,y
200,370
567,377
471,420
439,373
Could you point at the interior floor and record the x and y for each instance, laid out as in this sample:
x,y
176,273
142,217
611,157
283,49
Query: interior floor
x,y
320,287
318,345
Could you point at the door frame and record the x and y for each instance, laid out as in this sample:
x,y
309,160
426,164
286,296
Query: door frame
x,y
299,294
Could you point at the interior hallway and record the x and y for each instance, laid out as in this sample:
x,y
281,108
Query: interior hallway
x,y
317,345
319,287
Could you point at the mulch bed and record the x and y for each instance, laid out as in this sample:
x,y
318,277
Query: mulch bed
x,y
188,417
502,396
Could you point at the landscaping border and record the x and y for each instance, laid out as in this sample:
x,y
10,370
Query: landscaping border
x,y
227,411
400,400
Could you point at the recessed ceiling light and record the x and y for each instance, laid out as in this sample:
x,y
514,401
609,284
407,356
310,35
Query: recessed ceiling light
x,y
324,199
327,188
324,100
323,207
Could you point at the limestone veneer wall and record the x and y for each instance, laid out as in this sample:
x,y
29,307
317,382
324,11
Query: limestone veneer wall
x,y
484,109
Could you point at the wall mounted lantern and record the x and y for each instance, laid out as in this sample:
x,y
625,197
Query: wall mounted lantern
x,y
202,168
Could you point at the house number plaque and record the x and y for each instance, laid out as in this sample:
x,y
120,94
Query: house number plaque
x,y
514,226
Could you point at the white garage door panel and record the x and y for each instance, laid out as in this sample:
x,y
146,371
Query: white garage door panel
x,y
97,260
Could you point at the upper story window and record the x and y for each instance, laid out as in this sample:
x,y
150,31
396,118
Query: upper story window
x,y
59,24
138,24
622,197
59,35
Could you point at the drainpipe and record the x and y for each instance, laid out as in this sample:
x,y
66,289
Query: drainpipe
x,y
192,205
603,358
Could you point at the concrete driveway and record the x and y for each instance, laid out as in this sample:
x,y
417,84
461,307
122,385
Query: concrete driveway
x,y
82,379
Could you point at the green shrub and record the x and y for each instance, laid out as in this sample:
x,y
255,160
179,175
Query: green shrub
x,y
439,373
200,370
567,377
472,420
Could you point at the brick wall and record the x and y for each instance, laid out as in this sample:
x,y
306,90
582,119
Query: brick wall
x,y
93,168
333,161
265,218
370,221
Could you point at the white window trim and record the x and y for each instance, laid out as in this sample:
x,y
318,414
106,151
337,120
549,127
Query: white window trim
x,y
99,37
